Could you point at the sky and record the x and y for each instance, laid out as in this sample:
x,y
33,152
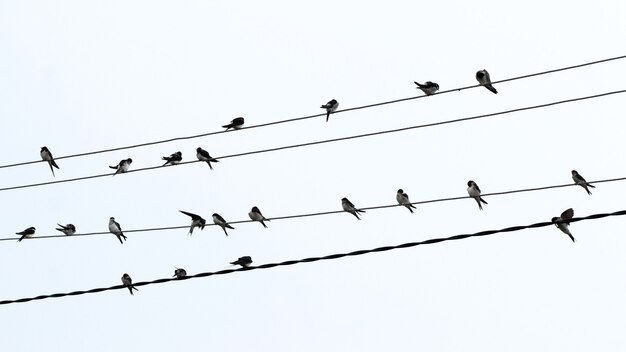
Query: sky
x,y
82,76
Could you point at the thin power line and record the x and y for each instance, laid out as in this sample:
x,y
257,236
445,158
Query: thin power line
x,y
476,117
315,259
287,217
315,115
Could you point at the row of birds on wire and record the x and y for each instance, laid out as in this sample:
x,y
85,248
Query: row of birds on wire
x,y
255,214
429,88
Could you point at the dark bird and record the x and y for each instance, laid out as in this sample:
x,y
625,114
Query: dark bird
x,y
235,124
218,220
330,107
28,233
243,261
483,78
47,156
122,167
203,155
179,272
116,229
564,226
255,214
403,199
196,221
173,159
474,192
349,207
68,229
128,282
579,180
429,88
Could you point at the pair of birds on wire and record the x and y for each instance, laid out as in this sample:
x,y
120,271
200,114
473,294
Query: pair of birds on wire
x,y
401,197
180,273
68,230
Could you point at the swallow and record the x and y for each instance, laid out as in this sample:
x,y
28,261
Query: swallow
x,y
403,199
330,107
196,221
474,192
47,156
173,159
564,226
128,282
429,88
579,180
28,233
235,124
243,261
255,215
68,229
203,155
349,207
482,77
218,220
179,272
122,166
116,229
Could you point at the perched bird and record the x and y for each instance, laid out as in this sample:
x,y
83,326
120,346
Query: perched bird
x,y
122,166
47,156
179,272
564,226
196,221
474,192
235,124
203,155
403,199
243,261
349,207
579,180
218,220
429,88
116,229
255,215
482,77
68,229
173,159
128,282
28,233
330,107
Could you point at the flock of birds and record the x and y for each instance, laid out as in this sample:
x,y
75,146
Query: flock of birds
x,y
429,88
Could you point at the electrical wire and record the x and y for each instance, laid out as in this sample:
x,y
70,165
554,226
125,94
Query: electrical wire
x,y
316,115
315,259
287,217
476,117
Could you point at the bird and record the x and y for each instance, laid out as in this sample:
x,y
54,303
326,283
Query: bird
x,y
128,282
579,180
116,229
196,221
349,207
68,229
203,155
474,192
483,78
47,156
330,107
235,124
122,167
28,233
173,159
564,226
218,220
179,272
429,88
403,199
255,215
244,261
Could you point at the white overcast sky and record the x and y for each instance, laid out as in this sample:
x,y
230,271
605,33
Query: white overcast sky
x,y
78,76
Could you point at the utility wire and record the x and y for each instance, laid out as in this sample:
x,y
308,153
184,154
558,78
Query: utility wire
x,y
476,117
317,115
315,259
287,217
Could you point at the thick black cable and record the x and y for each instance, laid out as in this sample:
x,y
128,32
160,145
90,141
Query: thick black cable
x,y
315,259
333,139
315,115
287,217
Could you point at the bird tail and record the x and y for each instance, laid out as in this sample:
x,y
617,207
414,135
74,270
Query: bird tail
x,y
53,163
359,211
409,207
491,88
59,229
262,223
587,189
224,228
230,227
113,167
120,236
327,115
572,237
51,169
482,200
590,185
21,238
356,214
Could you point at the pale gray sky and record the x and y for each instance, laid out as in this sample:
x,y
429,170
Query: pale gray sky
x,y
80,76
